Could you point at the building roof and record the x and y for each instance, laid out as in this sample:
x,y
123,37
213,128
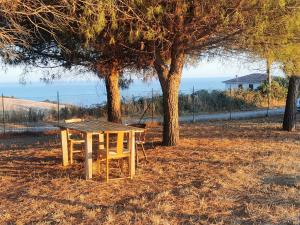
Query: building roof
x,y
253,78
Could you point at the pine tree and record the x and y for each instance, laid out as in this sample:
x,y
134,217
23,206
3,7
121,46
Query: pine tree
x,y
175,30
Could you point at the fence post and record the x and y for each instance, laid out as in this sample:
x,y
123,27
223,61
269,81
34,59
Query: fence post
x,y
125,110
3,114
152,106
269,99
269,64
230,103
58,108
193,104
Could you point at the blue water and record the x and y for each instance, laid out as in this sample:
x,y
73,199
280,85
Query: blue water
x,y
93,92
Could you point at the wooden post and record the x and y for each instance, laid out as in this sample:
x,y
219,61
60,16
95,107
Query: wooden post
x,y
64,148
88,156
269,77
101,141
58,109
152,106
3,116
193,104
230,103
100,148
132,153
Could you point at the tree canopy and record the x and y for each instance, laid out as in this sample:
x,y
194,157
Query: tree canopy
x,y
23,21
171,31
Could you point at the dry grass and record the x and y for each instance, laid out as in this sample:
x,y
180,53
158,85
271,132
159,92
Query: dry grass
x,y
16,104
241,172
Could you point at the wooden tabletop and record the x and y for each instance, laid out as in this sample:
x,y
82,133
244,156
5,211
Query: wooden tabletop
x,y
97,126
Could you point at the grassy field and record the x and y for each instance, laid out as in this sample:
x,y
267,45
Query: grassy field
x,y
16,104
239,172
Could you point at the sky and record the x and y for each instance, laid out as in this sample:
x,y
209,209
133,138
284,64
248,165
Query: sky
x,y
217,67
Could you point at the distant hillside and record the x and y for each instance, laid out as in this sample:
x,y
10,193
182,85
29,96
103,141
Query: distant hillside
x,y
15,104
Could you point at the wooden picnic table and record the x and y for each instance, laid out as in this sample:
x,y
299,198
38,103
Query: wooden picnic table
x,y
96,127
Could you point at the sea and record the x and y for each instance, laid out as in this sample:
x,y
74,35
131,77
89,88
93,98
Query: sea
x,y
90,92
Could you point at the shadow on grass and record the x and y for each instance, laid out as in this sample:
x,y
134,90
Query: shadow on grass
x,y
125,205
248,130
283,180
31,166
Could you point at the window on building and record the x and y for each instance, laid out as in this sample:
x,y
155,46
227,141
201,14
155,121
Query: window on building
x,y
251,86
240,86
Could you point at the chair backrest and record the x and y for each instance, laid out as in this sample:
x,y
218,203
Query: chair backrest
x,y
117,138
141,136
74,120
71,133
152,124
139,125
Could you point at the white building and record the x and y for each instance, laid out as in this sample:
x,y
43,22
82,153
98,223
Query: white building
x,y
251,81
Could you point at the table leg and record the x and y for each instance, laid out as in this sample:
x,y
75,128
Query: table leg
x,y
64,147
88,156
132,151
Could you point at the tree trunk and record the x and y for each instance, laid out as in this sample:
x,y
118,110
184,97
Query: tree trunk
x,y
113,96
289,120
171,114
169,78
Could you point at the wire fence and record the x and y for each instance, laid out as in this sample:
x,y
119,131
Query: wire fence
x,y
35,114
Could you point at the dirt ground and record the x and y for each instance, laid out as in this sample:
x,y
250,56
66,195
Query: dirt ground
x,y
238,172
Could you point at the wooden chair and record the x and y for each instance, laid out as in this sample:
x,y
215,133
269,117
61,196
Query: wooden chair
x,y
140,140
151,135
74,138
116,152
